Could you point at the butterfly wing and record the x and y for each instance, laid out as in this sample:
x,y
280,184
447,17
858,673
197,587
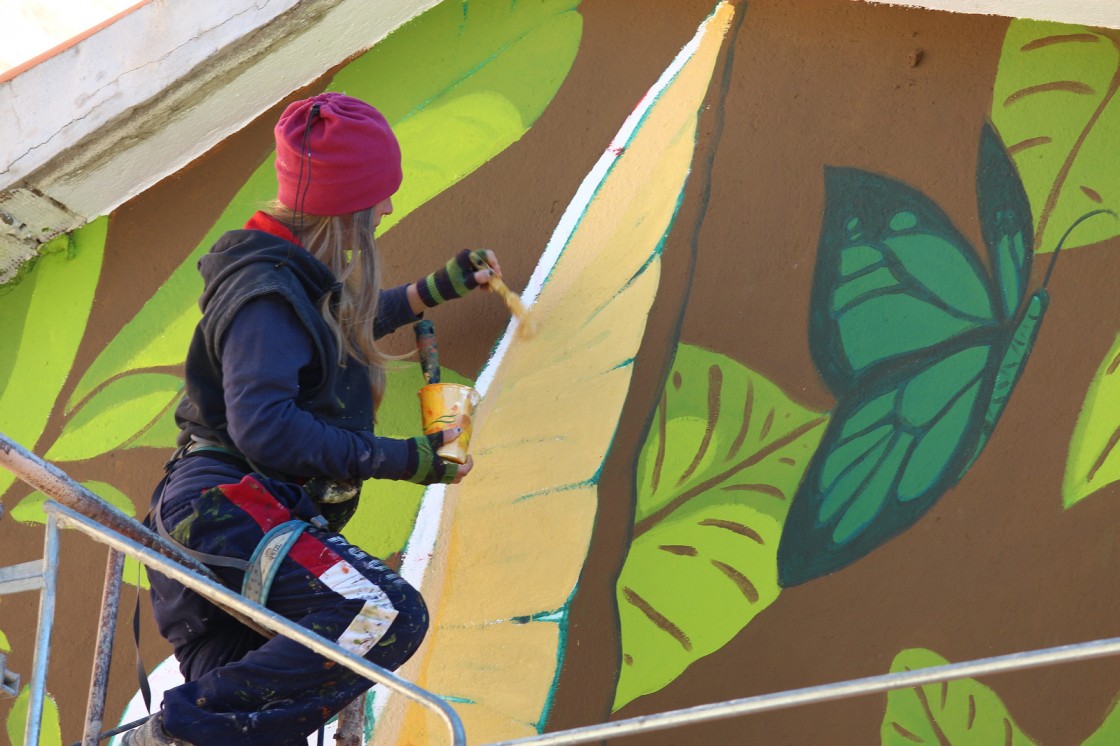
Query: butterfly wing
x,y
1008,230
888,454
894,280
1005,222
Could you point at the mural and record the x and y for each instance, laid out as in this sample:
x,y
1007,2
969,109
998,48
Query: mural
x,y
792,411
921,347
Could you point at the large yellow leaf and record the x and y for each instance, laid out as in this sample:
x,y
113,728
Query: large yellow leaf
x,y
509,542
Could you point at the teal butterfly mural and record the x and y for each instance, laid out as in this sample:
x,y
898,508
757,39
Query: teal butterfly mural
x,y
921,346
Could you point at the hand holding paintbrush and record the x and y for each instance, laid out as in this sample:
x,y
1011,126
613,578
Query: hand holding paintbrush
x,y
527,326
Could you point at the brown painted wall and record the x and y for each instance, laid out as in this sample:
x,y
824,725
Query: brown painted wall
x,y
996,566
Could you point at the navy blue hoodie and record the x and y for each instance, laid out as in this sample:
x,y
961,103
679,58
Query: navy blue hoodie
x,y
262,372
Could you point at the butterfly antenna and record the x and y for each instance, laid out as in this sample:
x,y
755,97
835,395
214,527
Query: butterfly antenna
x,y
1079,221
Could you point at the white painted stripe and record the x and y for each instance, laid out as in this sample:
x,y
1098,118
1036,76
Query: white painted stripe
x,y
373,620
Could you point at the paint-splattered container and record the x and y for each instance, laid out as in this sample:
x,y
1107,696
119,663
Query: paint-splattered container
x,y
441,405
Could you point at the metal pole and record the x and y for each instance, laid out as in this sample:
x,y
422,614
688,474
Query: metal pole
x,y
827,693
54,482
352,724
43,635
103,653
228,600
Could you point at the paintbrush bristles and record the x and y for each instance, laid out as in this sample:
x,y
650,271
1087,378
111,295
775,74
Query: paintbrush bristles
x,y
527,327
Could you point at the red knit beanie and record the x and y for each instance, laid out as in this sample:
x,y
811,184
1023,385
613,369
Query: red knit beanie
x,y
350,159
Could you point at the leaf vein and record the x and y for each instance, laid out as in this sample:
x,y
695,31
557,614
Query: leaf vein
x,y
659,620
746,587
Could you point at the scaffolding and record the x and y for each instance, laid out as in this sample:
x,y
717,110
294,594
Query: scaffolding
x,y
73,506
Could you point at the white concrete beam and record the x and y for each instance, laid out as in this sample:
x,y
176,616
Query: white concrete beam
x,y
102,120
1096,13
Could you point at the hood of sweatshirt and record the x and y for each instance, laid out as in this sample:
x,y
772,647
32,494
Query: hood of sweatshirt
x,y
264,243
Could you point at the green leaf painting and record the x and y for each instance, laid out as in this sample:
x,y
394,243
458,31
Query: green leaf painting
x,y
922,348
45,318
715,475
1094,461
1109,732
1054,102
963,711
115,415
50,732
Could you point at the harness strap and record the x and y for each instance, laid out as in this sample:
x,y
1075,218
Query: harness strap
x,y
206,559
261,568
265,560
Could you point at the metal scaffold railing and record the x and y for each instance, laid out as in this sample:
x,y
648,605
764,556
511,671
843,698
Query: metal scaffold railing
x,y
74,506
128,537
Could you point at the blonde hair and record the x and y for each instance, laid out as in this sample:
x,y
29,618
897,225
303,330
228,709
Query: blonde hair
x,y
345,244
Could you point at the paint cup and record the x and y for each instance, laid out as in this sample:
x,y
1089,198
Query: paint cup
x,y
441,406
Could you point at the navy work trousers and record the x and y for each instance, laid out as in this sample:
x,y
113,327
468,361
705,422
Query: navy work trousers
x,y
243,689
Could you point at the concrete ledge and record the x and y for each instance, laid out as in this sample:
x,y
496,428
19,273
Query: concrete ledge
x,y
102,120
1097,13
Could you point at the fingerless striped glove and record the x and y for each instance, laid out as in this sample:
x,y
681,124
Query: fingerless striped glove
x,y
424,466
454,280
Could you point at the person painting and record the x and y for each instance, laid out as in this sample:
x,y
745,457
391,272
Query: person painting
x,y
283,378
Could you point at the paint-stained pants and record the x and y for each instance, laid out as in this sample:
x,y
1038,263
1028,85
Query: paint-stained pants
x,y
243,689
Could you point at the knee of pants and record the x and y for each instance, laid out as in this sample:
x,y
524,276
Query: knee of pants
x,y
405,634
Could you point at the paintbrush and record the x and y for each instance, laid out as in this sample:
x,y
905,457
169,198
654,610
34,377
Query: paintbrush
x,y
429,352
526,325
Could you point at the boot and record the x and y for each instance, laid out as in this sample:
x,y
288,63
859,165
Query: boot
x,y
151,733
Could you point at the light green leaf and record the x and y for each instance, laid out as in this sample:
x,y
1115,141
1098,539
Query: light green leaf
x,y
1109,732
1093,460
961,711
118,413
452,140
135,574
1055,106
50,732
5,646
158,335
387,511
162,433
44,319
715,476
461,83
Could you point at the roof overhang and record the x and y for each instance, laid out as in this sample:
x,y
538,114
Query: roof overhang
x,y
99,121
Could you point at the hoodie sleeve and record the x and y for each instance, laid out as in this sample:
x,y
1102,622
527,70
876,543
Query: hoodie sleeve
x,y
393,311
262,353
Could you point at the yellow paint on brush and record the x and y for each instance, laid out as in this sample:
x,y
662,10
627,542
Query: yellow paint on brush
x,y
515,534
527,327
